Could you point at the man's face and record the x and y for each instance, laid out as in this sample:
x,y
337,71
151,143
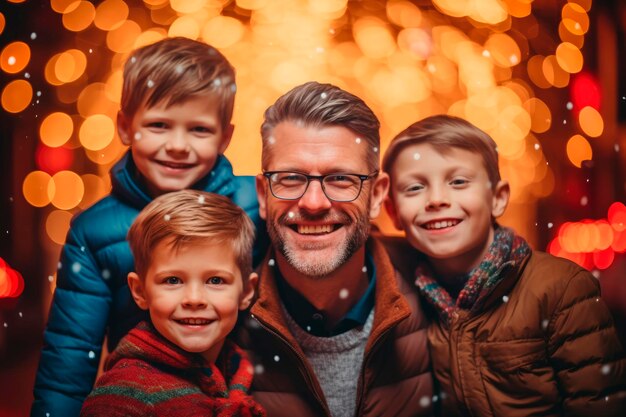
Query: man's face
x,y
314,234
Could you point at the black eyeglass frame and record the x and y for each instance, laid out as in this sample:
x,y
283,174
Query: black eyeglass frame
x,y
320,178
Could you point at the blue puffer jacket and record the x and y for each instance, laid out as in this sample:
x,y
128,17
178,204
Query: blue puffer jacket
x,y
92,297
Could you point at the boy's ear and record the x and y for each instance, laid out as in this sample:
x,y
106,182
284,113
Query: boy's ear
x,y
501,195
391,210
261,194
123,128
227,135
378,194
248,291
137,290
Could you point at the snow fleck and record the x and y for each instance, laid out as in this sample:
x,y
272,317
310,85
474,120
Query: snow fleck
x,y
179,69
417,156
435,398
308,328
606,369
584,200
486,53
167,217
271,140
320,50
106,274
616,147
259,369
358,140
276,358
6,324
133,60
59,265
364,269
201,199
20,314
76,267
564,121
233,87
217,82
137,136
514,59
271,262
27,75
343,294
375,149
424,401
550,225
331,31
82,249
12,60
569,105
291,215
150,83
595,273
323,95
50,278
33,36
597,299
38,93
505,298
537,146
92,354
544,324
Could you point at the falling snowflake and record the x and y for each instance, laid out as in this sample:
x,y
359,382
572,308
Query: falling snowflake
x,y
76,267
417,156
271,140
343,294
50,278
133,60
424,401
201,199
137,136
82,249
323,95
259,369
38,93
537,146
606,369
584,200
12,60
20,314
550,225
179,69
364,269
569,105
358,140
616,147
150,83
27,75
276,358
513,59
505,298
595,273
375,149
291,215
233,87
564,122
106,274
435,398
544,324
217,82
33,36
6,324
167,217
271,262
92,354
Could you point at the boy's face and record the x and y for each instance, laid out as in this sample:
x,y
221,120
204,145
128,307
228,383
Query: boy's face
x,y
193,295
175,146
445,203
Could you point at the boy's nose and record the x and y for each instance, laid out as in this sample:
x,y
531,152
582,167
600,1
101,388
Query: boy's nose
x,y
194,297
314,199
176,142
437,198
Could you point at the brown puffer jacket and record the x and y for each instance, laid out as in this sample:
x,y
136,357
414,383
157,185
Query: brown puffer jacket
x,y
396,379
543,345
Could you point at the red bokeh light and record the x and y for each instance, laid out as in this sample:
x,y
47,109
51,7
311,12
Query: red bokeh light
x,y
11,281
53,160
585,91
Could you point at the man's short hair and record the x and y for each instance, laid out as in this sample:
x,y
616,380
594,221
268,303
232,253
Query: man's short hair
x,y
318,105
444,132
174,70
189,217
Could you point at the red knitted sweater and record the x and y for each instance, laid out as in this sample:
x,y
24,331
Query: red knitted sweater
x,y
147,375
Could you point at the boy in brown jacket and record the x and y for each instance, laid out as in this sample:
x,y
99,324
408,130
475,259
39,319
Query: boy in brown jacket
x,y
516,332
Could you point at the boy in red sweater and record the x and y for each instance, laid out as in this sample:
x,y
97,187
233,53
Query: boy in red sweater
x,y
193,263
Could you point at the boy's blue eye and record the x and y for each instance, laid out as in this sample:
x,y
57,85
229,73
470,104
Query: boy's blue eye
x,y
459,182
172,280
215,281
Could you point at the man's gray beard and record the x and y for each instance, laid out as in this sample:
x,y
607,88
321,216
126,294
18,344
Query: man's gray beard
x,y
311,265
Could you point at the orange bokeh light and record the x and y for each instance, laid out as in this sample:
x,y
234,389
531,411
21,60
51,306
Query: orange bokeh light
x,y
591,122
35,188
96,132
56,129
110,14
16,96
14,57
70,65
67,190
578,150
57,225
78,16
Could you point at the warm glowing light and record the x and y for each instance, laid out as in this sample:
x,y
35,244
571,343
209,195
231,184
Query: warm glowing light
x,y
503,49
373,37
107,155
95,189
567,36
553,72
251,4
50,70
534,67
187,6
2,23
605,235
585,4
93,100
60,6
70,65
15,56
57,225
404,13
416,42
617,216
110,14
575,19
185,26
328,7
96,132
585,91
56,129
578,150
35,188
67,190
519,8
569,57
78,16
16,96
603,259
541,117
149,36
222,31
53,160
591,122
122,39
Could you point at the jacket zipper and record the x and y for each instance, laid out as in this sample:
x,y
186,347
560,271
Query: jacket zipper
x,y
302,359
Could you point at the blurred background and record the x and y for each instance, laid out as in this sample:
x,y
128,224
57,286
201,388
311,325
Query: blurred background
x,y
545,78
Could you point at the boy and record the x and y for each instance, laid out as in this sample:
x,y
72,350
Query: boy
x,y
516,332
176,106
193,263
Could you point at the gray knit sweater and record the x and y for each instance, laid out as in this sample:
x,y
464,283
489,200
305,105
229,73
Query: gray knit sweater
x,y
337,362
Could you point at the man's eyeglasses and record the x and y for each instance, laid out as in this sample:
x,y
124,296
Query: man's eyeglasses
x,y
340,187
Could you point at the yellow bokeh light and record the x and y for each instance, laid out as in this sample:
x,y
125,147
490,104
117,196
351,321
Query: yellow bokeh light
x,y
187,6
575,19
251,4
415,42
404,13
96,132
122,39
591,122
95,189
569,57
78,16
373,37
334,8
70,65
578,150
541,117
14,57
56,129
504,50
57,225
287,75
16,96
222,31
35,188
110,14
66,191
185,26
149,36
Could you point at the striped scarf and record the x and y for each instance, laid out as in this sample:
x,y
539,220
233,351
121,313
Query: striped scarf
x,y
507,248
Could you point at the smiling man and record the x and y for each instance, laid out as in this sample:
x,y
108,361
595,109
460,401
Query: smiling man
x,y
335,330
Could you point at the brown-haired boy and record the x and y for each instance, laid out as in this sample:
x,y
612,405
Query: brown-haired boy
x,y
193,257
516,332
176,106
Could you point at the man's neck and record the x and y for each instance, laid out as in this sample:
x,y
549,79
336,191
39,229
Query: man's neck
x,y
336,293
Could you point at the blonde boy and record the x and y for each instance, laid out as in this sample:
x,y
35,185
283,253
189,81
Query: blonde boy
x,y
516,332
193,258
176,108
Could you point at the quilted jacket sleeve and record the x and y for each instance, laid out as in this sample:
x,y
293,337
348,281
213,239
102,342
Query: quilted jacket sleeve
x,y
586,352
75,330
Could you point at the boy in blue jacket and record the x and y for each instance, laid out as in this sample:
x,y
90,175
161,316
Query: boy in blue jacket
x,y
176,108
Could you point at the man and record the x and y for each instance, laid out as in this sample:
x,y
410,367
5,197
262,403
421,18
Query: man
x,y
335,331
